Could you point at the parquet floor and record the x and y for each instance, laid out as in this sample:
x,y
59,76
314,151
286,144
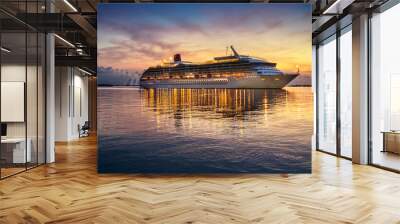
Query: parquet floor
x,y
70,191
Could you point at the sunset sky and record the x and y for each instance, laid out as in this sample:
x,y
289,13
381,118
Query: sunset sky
x,y
136,36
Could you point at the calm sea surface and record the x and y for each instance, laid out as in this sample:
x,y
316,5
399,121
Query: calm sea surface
x,y
205,130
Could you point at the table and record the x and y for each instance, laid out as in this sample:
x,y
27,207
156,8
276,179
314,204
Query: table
x,y
19,155
391,141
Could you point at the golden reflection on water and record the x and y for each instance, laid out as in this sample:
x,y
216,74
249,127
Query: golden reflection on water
x,y
228,101
228,111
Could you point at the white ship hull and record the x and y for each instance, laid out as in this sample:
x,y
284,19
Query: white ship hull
x,y
253,82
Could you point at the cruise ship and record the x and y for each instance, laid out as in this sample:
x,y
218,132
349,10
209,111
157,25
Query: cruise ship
x,y
233,71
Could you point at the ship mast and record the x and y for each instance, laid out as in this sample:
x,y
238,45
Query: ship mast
x,y
234,52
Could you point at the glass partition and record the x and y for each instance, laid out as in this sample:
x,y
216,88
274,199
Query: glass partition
x,y
326,102
334,94
385,89
346,92
22,88
13,105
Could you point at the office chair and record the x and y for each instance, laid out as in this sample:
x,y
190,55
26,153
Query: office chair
x,y
84,130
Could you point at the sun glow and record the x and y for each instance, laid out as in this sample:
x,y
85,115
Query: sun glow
x,y
136,39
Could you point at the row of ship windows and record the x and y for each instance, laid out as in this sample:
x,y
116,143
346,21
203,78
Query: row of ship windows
x,y
269,73
197,82
209,68
200,81
268,70
192,77
199,75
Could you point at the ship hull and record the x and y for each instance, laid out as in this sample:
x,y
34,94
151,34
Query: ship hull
x,y
256,82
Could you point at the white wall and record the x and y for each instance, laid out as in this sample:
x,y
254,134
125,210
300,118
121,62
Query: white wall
x,y
62,83
16,73
9,73
80,110
33,126
13,72
71,102
13,101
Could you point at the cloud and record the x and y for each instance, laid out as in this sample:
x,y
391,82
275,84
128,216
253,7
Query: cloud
x,y
137,38
136,53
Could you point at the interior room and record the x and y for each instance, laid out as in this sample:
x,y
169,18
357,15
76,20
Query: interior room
x,y
22,103
385,86
53,84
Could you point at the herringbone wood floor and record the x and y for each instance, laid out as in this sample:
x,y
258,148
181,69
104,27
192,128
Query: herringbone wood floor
x,y
70,191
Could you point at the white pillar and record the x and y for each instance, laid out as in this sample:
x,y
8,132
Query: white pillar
x,y
50,98
314,90
360,89
64,104
50,92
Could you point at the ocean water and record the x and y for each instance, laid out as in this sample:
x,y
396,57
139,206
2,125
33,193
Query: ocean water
x,y
204,130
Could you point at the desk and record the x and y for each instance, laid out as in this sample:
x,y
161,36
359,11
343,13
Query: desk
x,y
19,155
391,141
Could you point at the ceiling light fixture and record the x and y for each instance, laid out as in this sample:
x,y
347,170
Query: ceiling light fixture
x,y
64,40
337,7
5,50
328,10
70,5
79,51
86,72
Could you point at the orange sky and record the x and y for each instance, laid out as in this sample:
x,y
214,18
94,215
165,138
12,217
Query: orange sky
x,y
142,36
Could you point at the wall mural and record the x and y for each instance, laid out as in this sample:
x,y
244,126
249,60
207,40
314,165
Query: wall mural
x,y
204,88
